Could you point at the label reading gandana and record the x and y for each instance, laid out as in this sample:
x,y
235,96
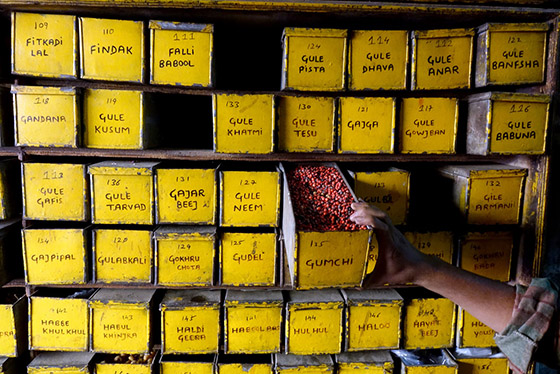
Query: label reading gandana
x,y
428,125
112,49
54,191
123,256
60,324
44,45
306,124
55,256
243,123
248,259
191,330
113,119
367,125
186,196
378,60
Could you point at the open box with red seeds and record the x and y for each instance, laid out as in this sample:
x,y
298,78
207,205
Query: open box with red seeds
x,y
323,247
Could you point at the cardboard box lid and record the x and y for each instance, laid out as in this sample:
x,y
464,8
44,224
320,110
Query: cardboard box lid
x,y
235,297
181,26
140,297
122,168
372,296
513,27
442,33
178,299
171,232
316,296
285,361
62,359
367,357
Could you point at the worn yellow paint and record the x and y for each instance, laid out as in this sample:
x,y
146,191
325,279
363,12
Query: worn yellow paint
x,y
429,125
367,125
111,49
191,329
55,256
57,58
306,124
243,123
316,369
253,327
473,333
248,259
46,116
442,59
483,365
122,192
519,123
58,370
119,328
439,244
186,196
314,59
362,368
171,367
185,259
378,60
314,328
114,119
111,368
249,198
245,369
8,332
320,263
387,190
430,369
122,256
55,192
488,254
494,196
373,254
373,325
514,53
58,324
181,54
429,323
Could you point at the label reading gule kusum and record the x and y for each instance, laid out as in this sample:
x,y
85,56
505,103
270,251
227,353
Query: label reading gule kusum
x,y
123,256
367,125
428,125
54,192
248,259
243,123
56,256
378,59
44,45
113,119
112,49
186,196
306,124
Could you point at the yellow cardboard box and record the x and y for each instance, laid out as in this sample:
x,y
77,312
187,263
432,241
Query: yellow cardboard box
x,y
487,253
201,364
13,325
428,323
370,362
303,364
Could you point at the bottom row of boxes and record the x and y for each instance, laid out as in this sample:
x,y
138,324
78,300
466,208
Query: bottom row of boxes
x,y
191,321
479,361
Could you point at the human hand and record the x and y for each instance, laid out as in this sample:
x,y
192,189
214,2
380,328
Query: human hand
x,y
398,261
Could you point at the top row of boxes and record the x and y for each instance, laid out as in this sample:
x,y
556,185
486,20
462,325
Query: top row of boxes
x,y
181,54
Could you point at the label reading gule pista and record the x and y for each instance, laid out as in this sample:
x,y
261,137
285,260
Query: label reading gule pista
x,y
243,123
518,126
253,328
181,57
186,196
191,330
378,59
123,256
112,49
118,328
248,259
488,254
113,119
429,323
55,256
306,124
314,328
185,261
54,191
366,124
58,323
516,57
443,61
44,44
428,125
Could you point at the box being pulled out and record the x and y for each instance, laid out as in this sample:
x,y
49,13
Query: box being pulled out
x,y
323,247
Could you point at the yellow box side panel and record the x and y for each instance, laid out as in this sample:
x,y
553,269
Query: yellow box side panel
x,y
191,330
429,323
116,329
253,329
488,255
495,200
185,261
186,367
314,329
475,333
122,368
483,365
8,343
373,326
438,244
240,369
